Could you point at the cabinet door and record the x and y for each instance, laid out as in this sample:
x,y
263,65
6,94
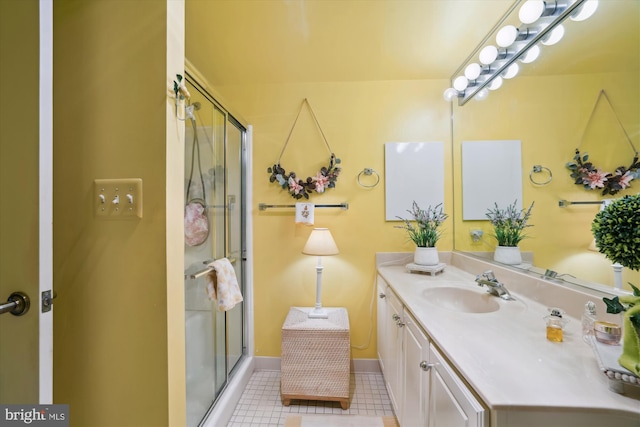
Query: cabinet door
x,y
393,365
415,405
452,404
383,345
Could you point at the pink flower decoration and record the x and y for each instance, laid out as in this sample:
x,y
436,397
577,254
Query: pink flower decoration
x,y
321,182
625,179
294,186
595,179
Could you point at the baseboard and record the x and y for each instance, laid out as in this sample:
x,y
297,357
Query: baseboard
x,y
357,365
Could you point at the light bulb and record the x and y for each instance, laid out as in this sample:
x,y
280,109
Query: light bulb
x,y
512,71
496,83
506,36
585,10
531,11
554,37
472,71
450,94
531,55
482,94
460,83
488,54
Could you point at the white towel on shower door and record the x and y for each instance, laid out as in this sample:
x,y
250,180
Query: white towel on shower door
x,y
222,285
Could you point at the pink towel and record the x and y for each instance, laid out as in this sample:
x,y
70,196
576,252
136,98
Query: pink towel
x,y
222,285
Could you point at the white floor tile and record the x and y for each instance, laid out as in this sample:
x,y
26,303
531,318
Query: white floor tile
x,y
261,404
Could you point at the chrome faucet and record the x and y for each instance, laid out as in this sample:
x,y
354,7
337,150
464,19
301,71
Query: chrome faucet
x,y
496,288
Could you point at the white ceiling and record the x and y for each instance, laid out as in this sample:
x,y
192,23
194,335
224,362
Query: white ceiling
x,y
238,42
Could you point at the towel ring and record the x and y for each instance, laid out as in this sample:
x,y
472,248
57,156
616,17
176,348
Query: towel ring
x,y
540,169
368,172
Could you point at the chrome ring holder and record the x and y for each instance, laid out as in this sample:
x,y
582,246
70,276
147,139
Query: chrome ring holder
x,y
540,169
368,172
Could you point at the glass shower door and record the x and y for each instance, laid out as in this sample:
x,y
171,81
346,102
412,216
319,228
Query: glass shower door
x,y
234,192
214,170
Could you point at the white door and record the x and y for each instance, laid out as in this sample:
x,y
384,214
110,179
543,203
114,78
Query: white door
x,y
26,201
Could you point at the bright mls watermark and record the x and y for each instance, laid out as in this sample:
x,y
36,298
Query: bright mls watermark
x,y
34,415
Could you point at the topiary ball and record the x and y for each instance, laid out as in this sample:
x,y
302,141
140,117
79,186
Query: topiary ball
x,y
616,229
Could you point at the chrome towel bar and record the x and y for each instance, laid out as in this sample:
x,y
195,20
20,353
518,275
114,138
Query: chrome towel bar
x,y
563,203
264,206
205,271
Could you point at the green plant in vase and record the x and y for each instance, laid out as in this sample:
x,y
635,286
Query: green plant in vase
x,y
425,233
423,229
616,230
509,223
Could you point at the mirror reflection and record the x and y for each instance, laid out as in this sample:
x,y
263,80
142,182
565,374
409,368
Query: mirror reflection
x,y
554,107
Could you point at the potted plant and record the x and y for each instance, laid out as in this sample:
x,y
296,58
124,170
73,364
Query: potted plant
x,y
425,233
616,229
508,227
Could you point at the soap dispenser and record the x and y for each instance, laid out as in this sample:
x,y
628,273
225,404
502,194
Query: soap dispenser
x,y
555,323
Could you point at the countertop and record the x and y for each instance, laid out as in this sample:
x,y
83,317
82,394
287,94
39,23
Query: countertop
x,y
504,355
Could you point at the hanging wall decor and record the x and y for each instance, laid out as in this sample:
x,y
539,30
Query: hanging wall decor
x,y
181,94
298,188
591,177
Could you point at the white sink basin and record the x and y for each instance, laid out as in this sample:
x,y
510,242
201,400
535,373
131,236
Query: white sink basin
x,y
463,300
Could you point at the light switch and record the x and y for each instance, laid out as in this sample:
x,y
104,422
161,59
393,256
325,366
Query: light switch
x,y
117,198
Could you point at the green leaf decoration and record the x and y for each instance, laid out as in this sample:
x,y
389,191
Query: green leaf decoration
x,y
636,291
614,306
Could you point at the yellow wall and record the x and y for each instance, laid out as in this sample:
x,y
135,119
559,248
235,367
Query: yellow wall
x,y
357,119
552,117
111,361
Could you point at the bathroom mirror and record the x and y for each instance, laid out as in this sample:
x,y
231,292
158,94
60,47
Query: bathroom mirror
x,y
553,107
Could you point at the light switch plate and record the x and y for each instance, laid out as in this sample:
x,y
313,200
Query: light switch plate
x,y
117,198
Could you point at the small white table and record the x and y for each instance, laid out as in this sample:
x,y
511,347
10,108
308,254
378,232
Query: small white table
x,y
316,356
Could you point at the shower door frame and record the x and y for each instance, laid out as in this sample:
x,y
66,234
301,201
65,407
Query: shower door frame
x,y
231,120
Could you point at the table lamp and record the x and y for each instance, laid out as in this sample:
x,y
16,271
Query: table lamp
x,y
320,243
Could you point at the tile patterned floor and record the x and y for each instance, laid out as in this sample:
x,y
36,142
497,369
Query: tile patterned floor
x,y
261,405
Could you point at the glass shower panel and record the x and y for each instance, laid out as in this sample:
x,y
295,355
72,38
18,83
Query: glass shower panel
x,y
200,318
206,369
235,206
218,212
214,170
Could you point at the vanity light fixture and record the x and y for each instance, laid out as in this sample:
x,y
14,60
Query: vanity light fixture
x,y
518,35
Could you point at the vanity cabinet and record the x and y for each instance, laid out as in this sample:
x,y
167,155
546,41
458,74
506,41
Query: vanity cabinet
x,y
416,367
390,342
451,403
424,390
382,344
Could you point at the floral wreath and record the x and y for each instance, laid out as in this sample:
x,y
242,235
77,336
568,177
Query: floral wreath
x,y
591,177
325,178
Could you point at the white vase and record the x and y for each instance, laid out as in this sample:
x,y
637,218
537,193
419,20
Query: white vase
x,y
426,256
509,255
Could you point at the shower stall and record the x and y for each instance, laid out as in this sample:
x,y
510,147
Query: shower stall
x,y
215,162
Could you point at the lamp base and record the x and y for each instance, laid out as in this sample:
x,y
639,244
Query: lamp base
x,y
318,313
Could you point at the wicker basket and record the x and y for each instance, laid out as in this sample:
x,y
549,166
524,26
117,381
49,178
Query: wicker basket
x,y
315,363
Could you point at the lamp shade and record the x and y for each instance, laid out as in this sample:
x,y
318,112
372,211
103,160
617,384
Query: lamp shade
x,y
320,242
